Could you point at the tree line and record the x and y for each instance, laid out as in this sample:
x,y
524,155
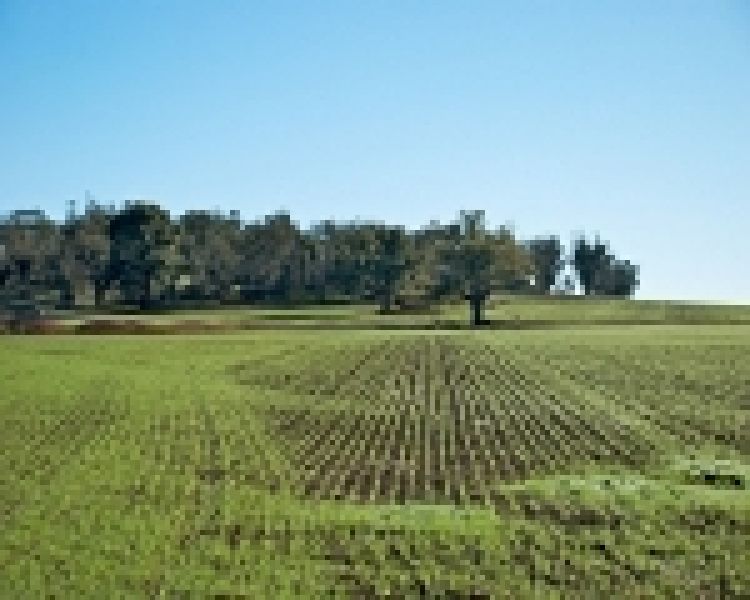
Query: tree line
x,y
139,256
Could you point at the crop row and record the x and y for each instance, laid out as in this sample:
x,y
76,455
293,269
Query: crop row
x,y
436,420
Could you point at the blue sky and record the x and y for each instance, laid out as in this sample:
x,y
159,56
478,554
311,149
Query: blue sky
x,y
629,119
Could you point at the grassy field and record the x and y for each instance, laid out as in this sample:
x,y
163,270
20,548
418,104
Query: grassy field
x,y
502,312
575,462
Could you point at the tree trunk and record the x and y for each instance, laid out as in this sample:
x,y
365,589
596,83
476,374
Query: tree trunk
x,y
476,303
99,289
145,299
67,296
386,300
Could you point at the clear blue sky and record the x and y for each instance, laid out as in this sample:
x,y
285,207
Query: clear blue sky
x,y
627,118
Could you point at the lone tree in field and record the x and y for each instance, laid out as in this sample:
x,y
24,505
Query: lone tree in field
x,y
480,262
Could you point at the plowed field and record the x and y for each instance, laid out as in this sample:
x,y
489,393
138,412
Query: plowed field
x,y
568,463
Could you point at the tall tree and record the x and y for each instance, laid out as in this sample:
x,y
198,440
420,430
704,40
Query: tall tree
x,y
601,273
141,252
388,263
618,278
207,246
272,260
84,256
588,260
546,257
29,265
482,261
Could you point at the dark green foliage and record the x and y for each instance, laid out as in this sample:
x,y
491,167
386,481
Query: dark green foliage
x,y
208,251
141,237
139,257
479,261
29,266
389,263
546,257
601,273
85,252
277,263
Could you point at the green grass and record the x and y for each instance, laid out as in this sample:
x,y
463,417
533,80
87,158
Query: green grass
x,y
575,462
503,312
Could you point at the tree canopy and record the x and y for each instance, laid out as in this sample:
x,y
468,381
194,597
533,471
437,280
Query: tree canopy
x,y
141,257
